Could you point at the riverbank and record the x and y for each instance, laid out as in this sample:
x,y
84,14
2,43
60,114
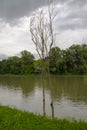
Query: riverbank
x,y
13,119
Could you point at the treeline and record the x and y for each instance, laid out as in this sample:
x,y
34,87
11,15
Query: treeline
x,y
18,65
70,61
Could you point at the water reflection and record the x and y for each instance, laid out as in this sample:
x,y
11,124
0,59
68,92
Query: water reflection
x,y
73,88
24,83
69,94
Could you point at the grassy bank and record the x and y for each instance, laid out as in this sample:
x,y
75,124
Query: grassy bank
x,y
12,119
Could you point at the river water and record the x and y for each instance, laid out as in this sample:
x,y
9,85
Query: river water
x,y
69,95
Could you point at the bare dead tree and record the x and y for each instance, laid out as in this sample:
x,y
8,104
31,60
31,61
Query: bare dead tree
x,y
42,33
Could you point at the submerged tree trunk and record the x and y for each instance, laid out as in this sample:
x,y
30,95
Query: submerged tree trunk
x,y
52,108
43,85
51,87
52,97
44,111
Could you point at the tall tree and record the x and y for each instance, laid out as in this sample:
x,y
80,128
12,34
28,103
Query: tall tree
x,y
42,33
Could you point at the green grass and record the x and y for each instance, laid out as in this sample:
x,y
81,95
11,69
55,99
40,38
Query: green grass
x,y
12,119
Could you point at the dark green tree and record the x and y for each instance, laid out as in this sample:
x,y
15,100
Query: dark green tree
x,y
55,60
27,62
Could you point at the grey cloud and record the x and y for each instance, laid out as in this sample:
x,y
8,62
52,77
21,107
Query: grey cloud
x,y
78,9
77,3
75,16
73,26
73,13
11,9
73,23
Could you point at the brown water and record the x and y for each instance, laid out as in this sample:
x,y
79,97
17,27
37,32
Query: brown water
x,y
69,94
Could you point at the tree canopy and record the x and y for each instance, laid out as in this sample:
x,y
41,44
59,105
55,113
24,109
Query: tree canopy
x,y
72,60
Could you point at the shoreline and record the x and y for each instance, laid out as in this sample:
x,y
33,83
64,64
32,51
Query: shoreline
x,y
13,119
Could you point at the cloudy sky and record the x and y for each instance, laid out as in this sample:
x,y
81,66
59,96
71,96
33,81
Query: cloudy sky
x,y
70,24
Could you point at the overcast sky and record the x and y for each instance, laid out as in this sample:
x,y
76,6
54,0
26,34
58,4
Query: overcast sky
x,y
70,24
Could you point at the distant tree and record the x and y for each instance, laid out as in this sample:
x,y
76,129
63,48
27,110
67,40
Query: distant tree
x,y
27,62
54,59
76,59
3,66
37,66
18,65
27,57
14,64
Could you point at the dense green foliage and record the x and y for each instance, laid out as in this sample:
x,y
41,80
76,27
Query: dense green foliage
x,y
70,61
12,119
18,65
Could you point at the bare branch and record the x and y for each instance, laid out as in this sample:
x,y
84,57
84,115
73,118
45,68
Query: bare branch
x,y
41,28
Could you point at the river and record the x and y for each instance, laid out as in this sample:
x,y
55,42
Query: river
x,y
69,94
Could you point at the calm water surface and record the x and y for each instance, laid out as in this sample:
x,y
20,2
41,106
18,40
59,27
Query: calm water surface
x,y
69,94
